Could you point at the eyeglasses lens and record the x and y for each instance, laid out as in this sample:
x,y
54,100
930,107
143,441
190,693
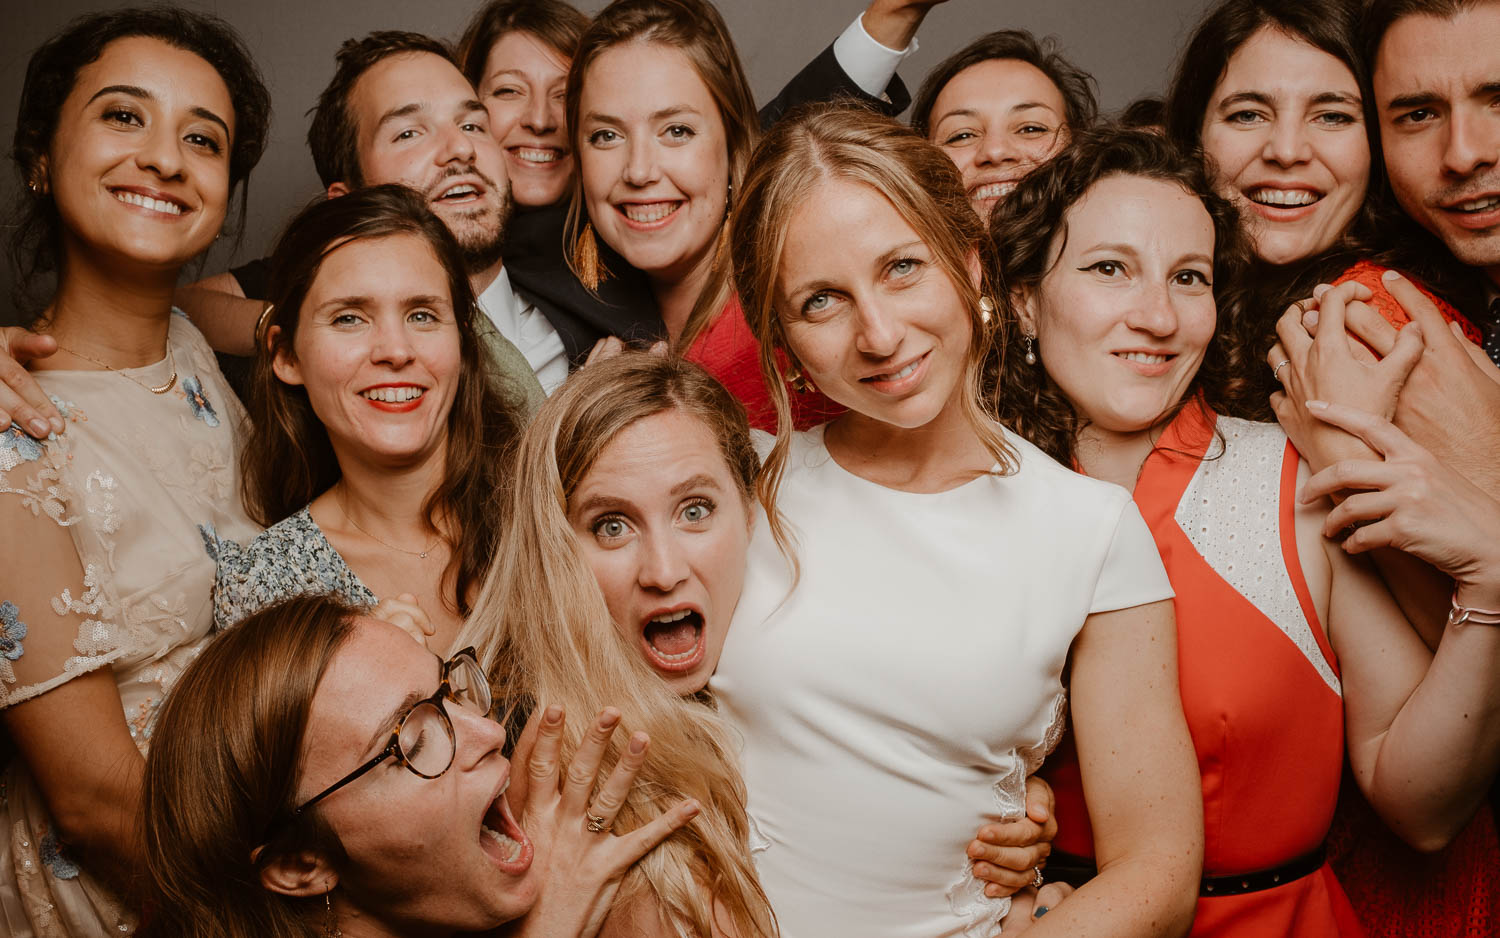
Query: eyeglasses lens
x,y
426,741
468,686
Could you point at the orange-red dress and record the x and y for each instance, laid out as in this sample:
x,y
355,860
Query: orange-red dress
x,y
1396,891
1260,685
728,350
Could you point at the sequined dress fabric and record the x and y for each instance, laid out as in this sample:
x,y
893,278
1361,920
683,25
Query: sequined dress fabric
x,y
131,481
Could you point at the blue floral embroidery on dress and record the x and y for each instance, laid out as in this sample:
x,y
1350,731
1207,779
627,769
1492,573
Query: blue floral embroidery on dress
x,y
52,854
16,447
198,400
12,630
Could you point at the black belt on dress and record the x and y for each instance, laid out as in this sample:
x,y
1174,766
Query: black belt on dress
x,y
1075,871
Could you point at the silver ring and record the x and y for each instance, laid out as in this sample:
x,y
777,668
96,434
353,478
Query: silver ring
x,y
1276,372
596,823
1036,877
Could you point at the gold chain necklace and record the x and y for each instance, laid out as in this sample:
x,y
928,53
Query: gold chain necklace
x,y
171,363
421,554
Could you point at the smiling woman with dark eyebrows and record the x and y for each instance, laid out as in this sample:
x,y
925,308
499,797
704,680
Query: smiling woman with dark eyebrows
x,y
134,129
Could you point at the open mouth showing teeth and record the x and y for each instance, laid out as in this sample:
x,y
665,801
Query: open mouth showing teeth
x,y
458,192
1143,358
647,214
1283,198
393,395
674,640
994,190
1479,205
906,372
500,836
537,154
145,201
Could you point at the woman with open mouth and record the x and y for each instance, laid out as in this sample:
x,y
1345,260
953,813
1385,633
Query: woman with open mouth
x,y
1000,107
374,454
319,773
626,556
1126,338
134,129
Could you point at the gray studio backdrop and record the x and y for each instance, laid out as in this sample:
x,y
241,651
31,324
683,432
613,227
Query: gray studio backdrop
x,y
1129,45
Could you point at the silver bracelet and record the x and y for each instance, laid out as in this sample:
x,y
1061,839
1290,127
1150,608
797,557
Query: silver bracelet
x,y
1467,615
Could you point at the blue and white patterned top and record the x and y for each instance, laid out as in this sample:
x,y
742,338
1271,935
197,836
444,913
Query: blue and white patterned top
x,y
291,558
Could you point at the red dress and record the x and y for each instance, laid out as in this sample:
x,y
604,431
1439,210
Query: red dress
x,y
1259,682
1397,891
727,349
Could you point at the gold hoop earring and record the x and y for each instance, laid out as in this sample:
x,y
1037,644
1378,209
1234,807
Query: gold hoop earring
x,y
586,258
1028,342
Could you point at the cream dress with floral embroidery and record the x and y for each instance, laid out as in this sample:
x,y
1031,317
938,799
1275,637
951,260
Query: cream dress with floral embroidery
x,y
103,565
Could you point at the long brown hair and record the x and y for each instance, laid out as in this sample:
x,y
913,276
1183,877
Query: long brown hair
x,y
288,460
1025,226
545,634
852,143
560,25
226,756
694,28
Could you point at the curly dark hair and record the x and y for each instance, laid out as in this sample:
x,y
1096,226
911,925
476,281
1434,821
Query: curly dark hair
x,y
1026,228
1080,100
36,241
288,459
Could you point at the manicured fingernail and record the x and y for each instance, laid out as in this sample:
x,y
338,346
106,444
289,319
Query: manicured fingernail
x,y
553,715
58,425
1039,911
638,744
692,808
39,427
1310,318
1391,276
608,718
1321,289
1317,406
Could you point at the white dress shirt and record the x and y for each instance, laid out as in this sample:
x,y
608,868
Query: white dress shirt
x,y
528,330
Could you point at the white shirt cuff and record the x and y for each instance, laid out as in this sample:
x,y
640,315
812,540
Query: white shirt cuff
x,y
868,63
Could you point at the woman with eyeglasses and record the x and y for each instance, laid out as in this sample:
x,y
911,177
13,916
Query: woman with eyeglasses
x,y
319,773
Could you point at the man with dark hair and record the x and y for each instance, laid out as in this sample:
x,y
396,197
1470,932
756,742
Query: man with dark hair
x,y
1435,67
398,110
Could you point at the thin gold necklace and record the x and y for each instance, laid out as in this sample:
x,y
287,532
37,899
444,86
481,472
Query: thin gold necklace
x,y
171,363
422,554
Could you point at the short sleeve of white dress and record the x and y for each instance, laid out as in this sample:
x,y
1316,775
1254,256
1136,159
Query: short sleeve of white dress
x,y
1132,574
896,697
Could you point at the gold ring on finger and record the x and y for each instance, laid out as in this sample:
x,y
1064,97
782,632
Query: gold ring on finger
x,y
1036,877
1276,372
596,824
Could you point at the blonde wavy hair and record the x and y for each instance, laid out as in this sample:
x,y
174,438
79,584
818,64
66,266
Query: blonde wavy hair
x,y
852,143
545,636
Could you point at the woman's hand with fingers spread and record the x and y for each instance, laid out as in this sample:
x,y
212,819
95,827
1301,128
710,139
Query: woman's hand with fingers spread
x,y
1009,854
1410,500
579,861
